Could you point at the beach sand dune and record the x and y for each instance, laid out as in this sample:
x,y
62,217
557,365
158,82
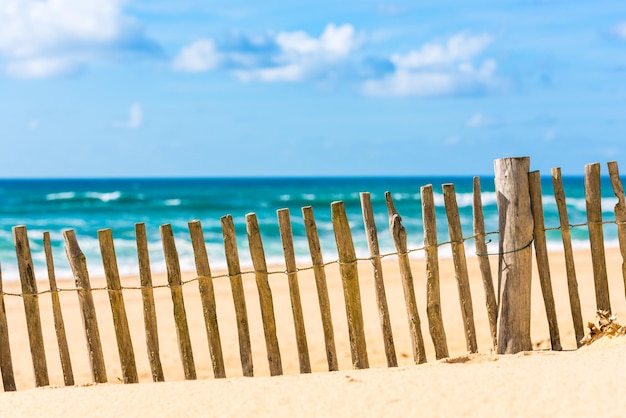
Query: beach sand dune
x,y
569,383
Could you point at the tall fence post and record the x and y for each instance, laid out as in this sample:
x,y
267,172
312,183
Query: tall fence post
x,y
515,259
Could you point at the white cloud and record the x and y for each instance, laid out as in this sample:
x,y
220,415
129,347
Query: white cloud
x,y
33,124
451,141
620,30
478,121
52,37
135,117
201,55
285,56
438,69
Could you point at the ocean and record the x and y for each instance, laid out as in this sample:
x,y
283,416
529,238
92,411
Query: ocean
x,y
87,205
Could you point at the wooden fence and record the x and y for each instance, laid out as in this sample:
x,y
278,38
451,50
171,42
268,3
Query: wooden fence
x,y
393,338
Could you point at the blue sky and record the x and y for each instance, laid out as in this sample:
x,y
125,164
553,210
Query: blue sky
x,y
111,88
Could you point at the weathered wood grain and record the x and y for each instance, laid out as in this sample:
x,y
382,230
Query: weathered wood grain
x,y
566,237
322,288
6,361
30,297
460,266
78,264
433,291
593,200
620,213
483,261
350,282
398,233
381,298
286,237
236,284
118,310
207,296
265,294
149,310
541,254
515,259
59,324
174,280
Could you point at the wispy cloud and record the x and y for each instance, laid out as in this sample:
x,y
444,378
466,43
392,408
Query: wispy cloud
x,y
479,120
33,124
56,37
284,56
135,117
451,67
619,30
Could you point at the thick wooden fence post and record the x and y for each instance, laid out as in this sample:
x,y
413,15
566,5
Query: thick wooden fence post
x,y
483,261
118,310
321,286
31,305
541,253
515,258
593,199
207,295
147,297
59,325
257,253
174,280
433,291
6,362
350,281
78,265
381,297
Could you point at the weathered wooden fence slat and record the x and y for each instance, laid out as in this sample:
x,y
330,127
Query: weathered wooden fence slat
x,y
207,297
118,310
483,260
266,302
147,298
176,288
399,237
286,237
566,237
515,224
78,265
322,288
433,291
593,200
381,298
6,361
350,282
620,213
31,305
541,254
59,325
236,284
460,266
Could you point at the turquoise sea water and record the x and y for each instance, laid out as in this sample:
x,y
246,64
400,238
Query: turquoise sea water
x,y
87,205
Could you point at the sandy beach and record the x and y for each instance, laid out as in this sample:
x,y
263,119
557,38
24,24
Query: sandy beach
x,y
544,383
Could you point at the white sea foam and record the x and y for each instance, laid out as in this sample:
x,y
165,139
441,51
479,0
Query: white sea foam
x,y
172,202
104,197
61,196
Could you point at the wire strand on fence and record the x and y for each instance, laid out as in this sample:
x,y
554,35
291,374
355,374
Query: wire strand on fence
x,y
311,267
